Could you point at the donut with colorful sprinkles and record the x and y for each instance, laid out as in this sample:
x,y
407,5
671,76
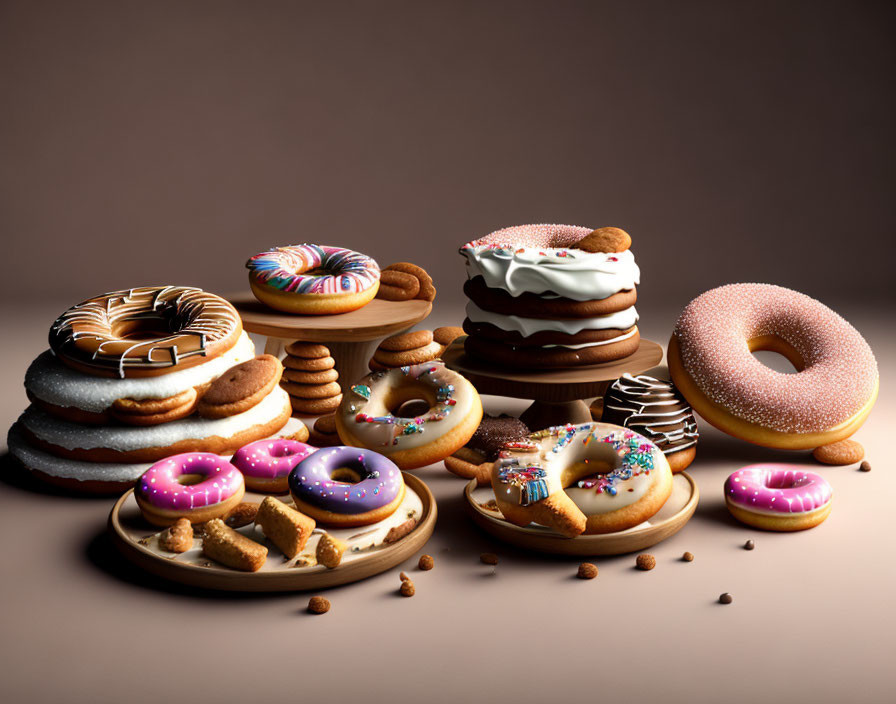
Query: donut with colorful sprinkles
x,y
415,415
589,478
313,279
346,486
198,486
778,497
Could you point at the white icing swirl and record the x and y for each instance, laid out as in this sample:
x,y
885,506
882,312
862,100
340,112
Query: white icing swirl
x,y
53,382
570,273
526,327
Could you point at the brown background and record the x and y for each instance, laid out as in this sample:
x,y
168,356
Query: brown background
x,y
165,142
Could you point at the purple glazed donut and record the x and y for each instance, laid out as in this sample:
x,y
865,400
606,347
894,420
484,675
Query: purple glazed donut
x,y
778,497
198,486
266,464
346,486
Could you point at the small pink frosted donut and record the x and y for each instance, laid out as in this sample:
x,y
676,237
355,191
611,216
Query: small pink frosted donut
x,y
169,489
778,497
711,362
266,464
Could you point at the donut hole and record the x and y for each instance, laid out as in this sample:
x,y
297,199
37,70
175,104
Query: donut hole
x,y
281,451
190,479
151,327
409,401
587,462
345,475
777,354
412,408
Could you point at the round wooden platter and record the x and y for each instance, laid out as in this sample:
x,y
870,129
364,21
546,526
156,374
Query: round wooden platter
x,y
135,540
352,337
556,393
670,519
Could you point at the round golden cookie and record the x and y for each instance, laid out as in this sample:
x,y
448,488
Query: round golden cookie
x,y
402,359
397,286
427,290
324,377
447,334
605,239
375,366
323,433
241,387
307,350
154,411
308,365
406,341
310,391
839,453
316,406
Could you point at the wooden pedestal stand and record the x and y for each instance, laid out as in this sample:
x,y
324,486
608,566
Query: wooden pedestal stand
x,y
557,394
351,337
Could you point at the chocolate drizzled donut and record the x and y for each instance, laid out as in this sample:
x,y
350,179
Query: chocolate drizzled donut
x,y
653,408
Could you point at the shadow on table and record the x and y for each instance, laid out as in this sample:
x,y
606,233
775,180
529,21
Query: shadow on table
x,y
14,476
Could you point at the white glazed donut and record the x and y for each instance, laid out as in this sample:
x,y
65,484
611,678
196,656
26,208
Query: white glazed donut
x,y
588,478
367,415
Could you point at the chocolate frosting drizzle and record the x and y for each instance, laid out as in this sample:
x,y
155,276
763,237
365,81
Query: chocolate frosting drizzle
x,y
653,408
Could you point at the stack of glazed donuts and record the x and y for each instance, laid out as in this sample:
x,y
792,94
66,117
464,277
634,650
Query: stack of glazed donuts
x,y
413,348
310,379
136,375
551,296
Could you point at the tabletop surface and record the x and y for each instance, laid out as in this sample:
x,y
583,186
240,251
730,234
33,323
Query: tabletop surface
x,y
812,618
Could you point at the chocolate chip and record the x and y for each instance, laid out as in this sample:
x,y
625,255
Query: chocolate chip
x,y
725,598
749,545
688,557
318,605
587,570
865,466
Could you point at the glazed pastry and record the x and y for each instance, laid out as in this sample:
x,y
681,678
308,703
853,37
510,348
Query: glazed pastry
x,y
366,418
778,497
711,363
168,490
474,460
266,464
550,296
656,410
588,478
346,486
148,331
312,279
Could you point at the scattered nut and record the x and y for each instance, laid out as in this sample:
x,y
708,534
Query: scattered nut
x,y
426,562
318,605
396,533
488,558
645,561
330,551
403,576
688,557
725,598
587,570
749,545
407,588
865,466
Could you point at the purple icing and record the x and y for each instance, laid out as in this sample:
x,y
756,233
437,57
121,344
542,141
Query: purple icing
x,y
381,481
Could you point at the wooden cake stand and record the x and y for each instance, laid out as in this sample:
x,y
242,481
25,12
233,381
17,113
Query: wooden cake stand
x,y
557,394
351,337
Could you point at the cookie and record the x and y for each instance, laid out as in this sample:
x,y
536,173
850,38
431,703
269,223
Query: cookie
x,y
307,350
154,411
407,357
839,453
241,387
323,433
311,391
315,407
427,291
605,239
447,334
396,286
533,305
406,341
324,377
285,527
302,364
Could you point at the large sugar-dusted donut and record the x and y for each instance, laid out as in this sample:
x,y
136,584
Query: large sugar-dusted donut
x,y
711,363
145,331
313,279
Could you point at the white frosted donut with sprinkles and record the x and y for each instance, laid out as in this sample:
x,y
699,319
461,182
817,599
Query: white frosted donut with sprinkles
x,y
711,362
372,414
313,279
778,497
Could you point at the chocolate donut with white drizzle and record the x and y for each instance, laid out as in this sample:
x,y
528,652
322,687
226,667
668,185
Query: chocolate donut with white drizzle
x,y
655,409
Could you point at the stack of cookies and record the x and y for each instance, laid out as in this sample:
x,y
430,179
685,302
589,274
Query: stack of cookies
x,y
310,379
404,281
415,347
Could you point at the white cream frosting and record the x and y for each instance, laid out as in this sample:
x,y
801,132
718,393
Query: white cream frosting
x,y
71,436
626,336
570,273
53,382
526,327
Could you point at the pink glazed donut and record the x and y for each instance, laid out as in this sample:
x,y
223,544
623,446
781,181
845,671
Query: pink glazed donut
x,y
711,362
266,464
198,486
778,497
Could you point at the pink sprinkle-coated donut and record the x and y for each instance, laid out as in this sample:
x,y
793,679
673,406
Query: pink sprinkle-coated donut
x,y
777,489
271,459
160,486
838,378
550,236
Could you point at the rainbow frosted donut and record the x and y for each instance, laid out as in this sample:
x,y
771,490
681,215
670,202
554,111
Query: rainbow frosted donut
x,y
778,497
266,464
346,486
169,490
313,279
711,363
588,478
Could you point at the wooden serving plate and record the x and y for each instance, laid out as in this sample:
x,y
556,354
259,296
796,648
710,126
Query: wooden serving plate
x,y
132,536
670,519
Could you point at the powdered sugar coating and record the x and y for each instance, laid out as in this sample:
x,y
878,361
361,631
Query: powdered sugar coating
x,y
548,236
840,374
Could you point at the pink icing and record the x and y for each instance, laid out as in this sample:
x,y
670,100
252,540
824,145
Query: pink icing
x,y
550,236
159,485
271,459
840,373
777,488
